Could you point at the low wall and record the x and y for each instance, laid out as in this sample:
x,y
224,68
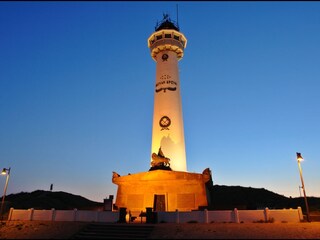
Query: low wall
x,y
255,215
221,216
284,215
64,215
230,216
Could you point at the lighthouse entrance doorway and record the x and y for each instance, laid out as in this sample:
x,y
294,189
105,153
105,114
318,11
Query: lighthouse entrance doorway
x,y
159,203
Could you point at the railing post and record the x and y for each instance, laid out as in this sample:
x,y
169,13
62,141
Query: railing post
x,y
97,216
206,217
31,213
300,213
10,214
75,214
177,216
53,214
236,215
266,214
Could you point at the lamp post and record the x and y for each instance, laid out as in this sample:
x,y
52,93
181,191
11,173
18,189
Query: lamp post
x,y
299,159
5,171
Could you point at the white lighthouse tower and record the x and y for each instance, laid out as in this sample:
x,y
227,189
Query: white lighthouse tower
x,y
167,45
167,186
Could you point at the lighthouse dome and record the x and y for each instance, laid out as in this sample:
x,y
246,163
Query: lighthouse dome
x,y
166,23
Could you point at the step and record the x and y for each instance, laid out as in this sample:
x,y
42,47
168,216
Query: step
x,y
114,231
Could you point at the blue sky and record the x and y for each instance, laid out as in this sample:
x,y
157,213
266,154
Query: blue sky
x,y
77,83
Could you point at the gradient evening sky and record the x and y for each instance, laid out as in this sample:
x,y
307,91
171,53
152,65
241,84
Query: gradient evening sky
x,y
77,86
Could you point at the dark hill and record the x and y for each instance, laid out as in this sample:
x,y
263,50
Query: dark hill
x,y
40,199
230,197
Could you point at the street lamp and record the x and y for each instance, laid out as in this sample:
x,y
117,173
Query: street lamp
x,y
5,171
299,159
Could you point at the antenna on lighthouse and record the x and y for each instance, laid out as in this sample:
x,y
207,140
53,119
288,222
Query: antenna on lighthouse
x,y
177,15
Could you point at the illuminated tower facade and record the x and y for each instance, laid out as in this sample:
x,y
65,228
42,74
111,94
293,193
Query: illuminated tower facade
x,y
167,45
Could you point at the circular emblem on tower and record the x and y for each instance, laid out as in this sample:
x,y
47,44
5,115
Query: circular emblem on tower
x,y
164,123
165,57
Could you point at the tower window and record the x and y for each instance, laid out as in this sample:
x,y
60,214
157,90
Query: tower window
x,y
159,37
167,35
176,37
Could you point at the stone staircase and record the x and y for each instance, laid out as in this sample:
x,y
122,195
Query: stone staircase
x,y
114,231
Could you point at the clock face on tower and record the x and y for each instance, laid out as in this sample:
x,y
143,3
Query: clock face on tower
x,y
164,123
165,57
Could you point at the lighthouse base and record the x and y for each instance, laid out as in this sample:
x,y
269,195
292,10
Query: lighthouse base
x,y
162,190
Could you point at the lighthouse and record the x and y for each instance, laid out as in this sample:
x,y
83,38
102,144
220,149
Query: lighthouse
x,y
167,46
167,186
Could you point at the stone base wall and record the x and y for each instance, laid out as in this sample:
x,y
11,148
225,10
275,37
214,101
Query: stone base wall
x,y
181,191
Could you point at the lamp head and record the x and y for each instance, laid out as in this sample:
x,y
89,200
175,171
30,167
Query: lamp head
x,y
299,157
4,171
